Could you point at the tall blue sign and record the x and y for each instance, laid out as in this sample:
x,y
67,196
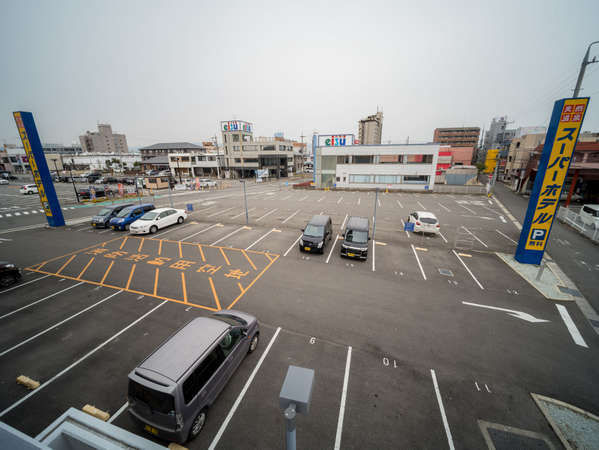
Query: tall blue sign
x,y
39,168
566,122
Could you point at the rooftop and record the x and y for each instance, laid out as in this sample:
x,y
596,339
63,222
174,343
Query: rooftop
x,y
172,146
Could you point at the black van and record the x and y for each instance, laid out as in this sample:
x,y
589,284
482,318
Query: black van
x,y
355,238
316,234
102,219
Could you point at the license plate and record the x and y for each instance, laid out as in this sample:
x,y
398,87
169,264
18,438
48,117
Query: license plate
x,y
152,430
93,224
351,254
307,249
113,227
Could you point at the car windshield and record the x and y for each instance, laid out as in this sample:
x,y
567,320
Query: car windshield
x,y
314,230
149,216
124,213
105,211
357,236
428,220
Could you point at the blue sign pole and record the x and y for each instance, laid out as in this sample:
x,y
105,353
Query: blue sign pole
x,y
39,168
560,141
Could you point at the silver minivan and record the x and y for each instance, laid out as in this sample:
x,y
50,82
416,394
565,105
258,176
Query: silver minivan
x,y
171,390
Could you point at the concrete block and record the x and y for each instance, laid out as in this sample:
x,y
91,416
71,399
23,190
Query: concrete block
x,y
173,446
97,413
28,382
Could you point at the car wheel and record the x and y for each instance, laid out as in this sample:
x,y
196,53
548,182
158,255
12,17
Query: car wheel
x,y
180,219
7,279
153,229
197,425
254,343
127,227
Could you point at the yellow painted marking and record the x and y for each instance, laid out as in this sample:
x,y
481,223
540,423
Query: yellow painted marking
x,y
180,251
245,227
130,276
106,273
123,244
249,260
225,256
240,287
141,244
103,244
252,283
184,287
65,264
268,256
41,265
214,293
160,247
276,231
156,280
380,243
421,249
202,253
86,266
465,254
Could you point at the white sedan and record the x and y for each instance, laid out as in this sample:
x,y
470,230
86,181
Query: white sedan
x,y
3,181
424,222
28,189
158,218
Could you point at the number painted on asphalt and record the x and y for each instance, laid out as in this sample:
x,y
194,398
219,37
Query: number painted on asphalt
x,y
312,340
387,362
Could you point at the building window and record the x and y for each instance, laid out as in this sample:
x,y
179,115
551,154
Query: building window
x,y
386,179
268,147
418,159
250,148
337,179
236,148
389,159
247,138
415,179
363,159
250,160
185,158
361,178
235,138
237,160
343,159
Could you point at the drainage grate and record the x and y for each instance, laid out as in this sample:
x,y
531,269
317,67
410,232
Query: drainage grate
x,y
446,272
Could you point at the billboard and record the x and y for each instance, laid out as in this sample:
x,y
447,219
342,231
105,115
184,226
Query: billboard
x,y
39,167
236,125
566,122
335,140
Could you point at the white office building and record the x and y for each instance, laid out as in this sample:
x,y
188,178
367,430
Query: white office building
x,y
337,163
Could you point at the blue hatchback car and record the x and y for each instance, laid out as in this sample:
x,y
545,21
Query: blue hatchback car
x,y
129,215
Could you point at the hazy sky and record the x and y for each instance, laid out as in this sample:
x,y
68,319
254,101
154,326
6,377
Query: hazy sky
x,y
162,71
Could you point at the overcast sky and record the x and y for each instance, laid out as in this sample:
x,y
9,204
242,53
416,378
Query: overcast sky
x,y
162,71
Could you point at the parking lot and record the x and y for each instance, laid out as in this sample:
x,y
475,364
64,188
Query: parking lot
x,y
412,348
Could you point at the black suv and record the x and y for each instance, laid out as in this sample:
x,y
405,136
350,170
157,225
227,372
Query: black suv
x,y
316,234
9,273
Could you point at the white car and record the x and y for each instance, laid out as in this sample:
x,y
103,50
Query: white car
x,y
28,189
424,222
3,181
156,219
207,182
589,214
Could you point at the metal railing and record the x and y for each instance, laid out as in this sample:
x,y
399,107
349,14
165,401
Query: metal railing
x,y
572,218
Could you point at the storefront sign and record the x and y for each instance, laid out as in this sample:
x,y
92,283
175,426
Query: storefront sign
x,y
236,125
335,140
566,122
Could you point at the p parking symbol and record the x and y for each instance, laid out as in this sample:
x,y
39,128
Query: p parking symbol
x,y
538,234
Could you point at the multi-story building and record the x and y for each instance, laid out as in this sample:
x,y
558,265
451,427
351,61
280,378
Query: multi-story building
x,y
166,148
244,155
497,137
519,154
370,129
195,164
408,167
103,141
457,136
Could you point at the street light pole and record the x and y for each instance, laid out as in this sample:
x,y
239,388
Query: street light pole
x,y
376,199
583,66
245,199
73,181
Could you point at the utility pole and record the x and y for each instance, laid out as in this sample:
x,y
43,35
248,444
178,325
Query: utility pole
x,y
583,66
376,199
178,170
245,199
217,158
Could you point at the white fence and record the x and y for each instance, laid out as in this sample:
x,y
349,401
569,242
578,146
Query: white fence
x,y
573,219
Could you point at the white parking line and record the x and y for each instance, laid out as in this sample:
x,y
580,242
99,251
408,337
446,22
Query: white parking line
x,y
171,229
576,336
421,205
201,231
502,219
320,199
444,207
418,260
343,398
8,215
220,212
466,267
284,221
373,254
58,324
292,245
38,301
26,213
242,213
441,234
506,236
399,203
344,220
23,284
84,357
466,208
17,214
472,234
223,427
340,198
358,200
332,247
442,409
267,214
230,234
379,202
260,238
118,413
303,198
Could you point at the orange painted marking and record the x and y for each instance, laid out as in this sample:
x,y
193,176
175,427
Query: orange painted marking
x,y
225,256
252,283
249,260
214,293
180,251
202,253
141,244
160,247
106,273
65,264
184,287
123,244
240,287
156,280
130,276
86,266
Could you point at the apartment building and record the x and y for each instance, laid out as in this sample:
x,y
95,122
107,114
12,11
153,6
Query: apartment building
x,y
103,141
519,153
457,136
166,148
370,129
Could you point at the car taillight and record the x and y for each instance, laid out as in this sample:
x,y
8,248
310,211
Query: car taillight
x,y
418,223
438,226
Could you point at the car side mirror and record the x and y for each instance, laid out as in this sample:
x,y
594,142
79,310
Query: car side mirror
x,y
303,230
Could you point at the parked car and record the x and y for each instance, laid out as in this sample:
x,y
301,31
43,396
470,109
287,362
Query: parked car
x,y
156,219
85,193
317,233
589,214
9,273
102,219
207,182
3,181
127,216
28,189
424,222
8,176
171,391
355,238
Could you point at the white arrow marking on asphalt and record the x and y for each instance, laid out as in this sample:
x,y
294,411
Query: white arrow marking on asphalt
x,y
511,312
